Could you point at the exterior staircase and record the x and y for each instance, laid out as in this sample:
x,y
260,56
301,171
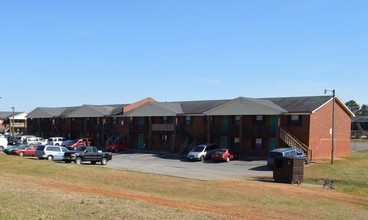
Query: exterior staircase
x,y
114,139
293,142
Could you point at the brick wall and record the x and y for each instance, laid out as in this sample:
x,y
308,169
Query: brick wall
x,y
320,137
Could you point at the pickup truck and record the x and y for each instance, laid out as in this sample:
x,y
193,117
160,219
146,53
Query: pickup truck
x,y
87,153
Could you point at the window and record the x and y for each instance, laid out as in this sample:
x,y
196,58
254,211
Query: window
x,y
294,120
164,120
188,120
258,144
237,119
114,121
259,119
164,139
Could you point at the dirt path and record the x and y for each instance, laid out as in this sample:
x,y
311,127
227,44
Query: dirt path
x,y
234,211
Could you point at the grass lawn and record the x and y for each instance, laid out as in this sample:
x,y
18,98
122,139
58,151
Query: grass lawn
x,y
40,189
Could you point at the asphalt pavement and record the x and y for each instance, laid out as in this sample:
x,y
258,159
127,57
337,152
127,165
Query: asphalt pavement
x,y
179,166
164,163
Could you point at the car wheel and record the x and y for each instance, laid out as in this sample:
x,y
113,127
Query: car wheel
x,y
202,158
227,159
104,161
50,157
93,162
21,154
78,160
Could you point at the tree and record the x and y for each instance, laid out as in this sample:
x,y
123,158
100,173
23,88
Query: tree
x,y
354,107
363,110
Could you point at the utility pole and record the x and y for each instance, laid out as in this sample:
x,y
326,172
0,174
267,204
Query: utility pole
x,y
333,124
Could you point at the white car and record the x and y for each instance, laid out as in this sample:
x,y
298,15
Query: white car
x,y
59,141
35,141
3,142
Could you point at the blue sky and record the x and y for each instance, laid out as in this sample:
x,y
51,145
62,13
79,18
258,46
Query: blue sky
x,y
75,52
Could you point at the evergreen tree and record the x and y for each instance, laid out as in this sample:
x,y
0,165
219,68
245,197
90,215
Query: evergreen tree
x,y
363,110
354,107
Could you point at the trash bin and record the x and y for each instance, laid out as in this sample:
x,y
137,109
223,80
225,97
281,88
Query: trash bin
x,y
288,170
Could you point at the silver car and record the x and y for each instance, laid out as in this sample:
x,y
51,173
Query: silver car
x,y
51,152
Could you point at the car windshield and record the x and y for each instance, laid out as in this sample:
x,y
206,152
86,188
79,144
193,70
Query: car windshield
x,y
275,154
198,149
221,151
81,149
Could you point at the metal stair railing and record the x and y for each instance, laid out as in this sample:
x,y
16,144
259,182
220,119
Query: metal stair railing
x,y
293,142
184,145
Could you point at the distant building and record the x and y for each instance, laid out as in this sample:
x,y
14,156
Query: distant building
x,y
7,124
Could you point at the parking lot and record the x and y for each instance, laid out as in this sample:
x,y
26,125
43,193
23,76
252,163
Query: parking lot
x,y
179,166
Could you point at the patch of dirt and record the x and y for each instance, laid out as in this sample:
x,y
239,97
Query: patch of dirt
x,y
241,212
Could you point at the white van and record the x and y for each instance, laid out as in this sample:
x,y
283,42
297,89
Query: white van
x,y
51,152
202,151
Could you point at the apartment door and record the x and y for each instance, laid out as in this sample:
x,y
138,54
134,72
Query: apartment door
x,y
224,123
141,143
272,144
141,124
273,123
224,142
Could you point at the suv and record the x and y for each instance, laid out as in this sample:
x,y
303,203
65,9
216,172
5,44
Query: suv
x,y
34,141
51,152
59,141
23,139
284,152
202,151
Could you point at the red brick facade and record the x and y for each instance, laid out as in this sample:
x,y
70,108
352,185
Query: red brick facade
x,y
253,135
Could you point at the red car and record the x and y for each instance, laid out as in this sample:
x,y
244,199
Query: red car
x,y
225,154
25,151
80,143
117,147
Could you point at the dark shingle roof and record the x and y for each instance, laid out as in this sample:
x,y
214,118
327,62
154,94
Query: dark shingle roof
x,y
50,112
6,115
198,107
360,119
305,104
95,111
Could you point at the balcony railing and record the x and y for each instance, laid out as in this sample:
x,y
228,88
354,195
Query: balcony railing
x,y
162,127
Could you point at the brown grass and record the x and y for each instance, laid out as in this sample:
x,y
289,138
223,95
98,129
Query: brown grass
x,y
34,189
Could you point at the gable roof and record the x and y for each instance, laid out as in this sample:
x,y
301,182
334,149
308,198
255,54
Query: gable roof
x,y
156,109
17,115
130,107
50,112
360,119
93,111
306,104
199,107
247,106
